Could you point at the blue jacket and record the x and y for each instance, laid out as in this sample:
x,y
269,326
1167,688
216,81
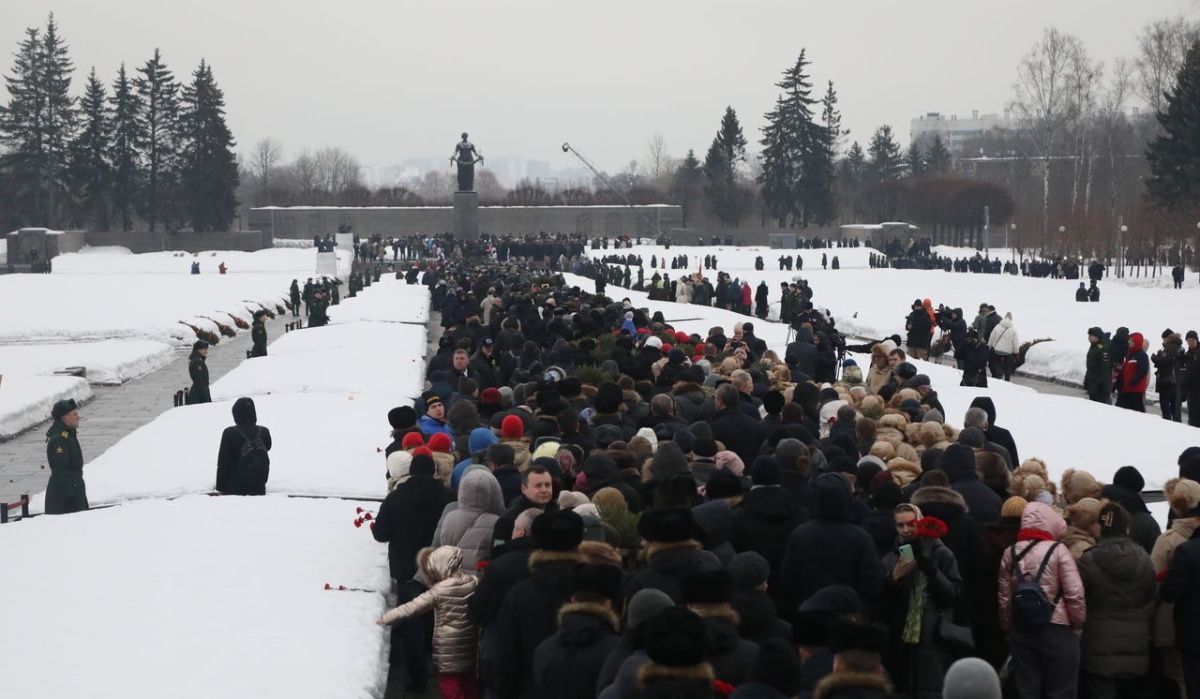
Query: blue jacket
x,y
430,427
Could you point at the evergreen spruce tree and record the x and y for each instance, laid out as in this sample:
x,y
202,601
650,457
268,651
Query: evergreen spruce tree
x,y
159,95
726,199
885,161
688,185
1174,154
38,124
821,168
90,171
128,137
913,160
851,172
209,173
938,158
777,180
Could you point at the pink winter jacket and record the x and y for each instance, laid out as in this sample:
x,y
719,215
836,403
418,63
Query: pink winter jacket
x,y
1061,573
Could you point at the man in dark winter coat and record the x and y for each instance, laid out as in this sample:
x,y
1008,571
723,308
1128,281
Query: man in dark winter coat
x,y
996,433
484,364
708,595
198,372
758,618
1190,377
801,354
231,480
739,432
258,334
829,550
857,662
673,550
920,331
766,516
568,663
66,491
529,613
409,515
958,461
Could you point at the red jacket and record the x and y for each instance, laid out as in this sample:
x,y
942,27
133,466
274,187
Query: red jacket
x,y
1135,372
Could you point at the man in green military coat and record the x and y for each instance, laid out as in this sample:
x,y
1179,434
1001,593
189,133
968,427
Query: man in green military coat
x,y
1098,379
65,493
198,371
318,309
258,334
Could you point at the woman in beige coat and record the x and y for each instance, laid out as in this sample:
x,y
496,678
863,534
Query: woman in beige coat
x,y
455,638
1183,495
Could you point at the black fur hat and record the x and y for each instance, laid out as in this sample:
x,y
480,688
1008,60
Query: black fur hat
x,y
674,637
558,531
707,587
667,525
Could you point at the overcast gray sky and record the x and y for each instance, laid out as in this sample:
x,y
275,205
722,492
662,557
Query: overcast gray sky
x,y
390,79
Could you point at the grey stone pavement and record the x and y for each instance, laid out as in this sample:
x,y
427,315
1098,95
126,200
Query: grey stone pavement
x,y
115,411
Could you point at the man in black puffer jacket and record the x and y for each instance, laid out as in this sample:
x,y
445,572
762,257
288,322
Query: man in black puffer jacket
x,y
766,516
567,664
409,515
829,550
529,613
958,461
673,550
996,433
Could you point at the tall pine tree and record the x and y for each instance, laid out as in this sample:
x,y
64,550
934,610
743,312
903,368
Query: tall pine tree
x,y
128,137
90,170
727,200
914,161
885,161
159,94
209,173
1174,154
822,165
938,158
688,185
38,124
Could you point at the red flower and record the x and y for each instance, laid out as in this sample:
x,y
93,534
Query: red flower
x,y
358,523
328,586
482,565
367,517
722,687
372,526
358,510
342,587
931,528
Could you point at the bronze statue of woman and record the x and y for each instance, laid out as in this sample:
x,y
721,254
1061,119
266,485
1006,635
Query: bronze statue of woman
x,y
465,156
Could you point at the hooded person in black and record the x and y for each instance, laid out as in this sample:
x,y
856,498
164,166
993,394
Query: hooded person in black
x,y
673,550
996,433
568,664
958,461
1125,491
767,516
245,427
829,550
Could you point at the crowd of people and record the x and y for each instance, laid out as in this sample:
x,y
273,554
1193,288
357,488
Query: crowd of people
x,y
589,502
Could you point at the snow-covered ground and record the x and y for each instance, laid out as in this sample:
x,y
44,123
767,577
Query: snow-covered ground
x,y
1066,432
197,597
345,372
322,445
392,338
389,300
107,361
26,399
874,302
119,260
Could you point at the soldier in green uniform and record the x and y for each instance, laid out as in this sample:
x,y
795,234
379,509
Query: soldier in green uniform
x,y
317,310
198,371
1098,379
66,492
258,334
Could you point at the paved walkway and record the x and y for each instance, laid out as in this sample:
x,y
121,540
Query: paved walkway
x,y
115,411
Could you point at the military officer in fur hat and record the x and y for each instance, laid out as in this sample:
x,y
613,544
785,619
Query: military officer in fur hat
x,y
65,493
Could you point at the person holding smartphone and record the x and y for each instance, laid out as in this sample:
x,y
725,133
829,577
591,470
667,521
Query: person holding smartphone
x,y
923,585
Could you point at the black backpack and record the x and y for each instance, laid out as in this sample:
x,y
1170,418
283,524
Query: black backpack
x,y
254,463
1031,607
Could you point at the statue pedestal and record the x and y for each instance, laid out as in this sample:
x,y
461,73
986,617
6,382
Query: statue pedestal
x,y
466,215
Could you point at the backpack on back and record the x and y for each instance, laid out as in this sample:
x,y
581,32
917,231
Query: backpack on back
x,y
1031,606
254,463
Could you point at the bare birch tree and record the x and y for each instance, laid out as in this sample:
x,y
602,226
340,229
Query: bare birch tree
x,y
264,161
1162,46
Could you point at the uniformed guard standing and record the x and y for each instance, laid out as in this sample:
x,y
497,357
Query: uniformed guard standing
x,y
317,309
198,371
66,492
258,334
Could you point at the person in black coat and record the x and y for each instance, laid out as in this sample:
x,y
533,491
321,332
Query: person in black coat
x,y
708,594
245,427
758,618
568,663
1181,587
673,550
766,516
920,331
829,550
996,433
529,612
409,515
972,357
198,373
958,461
739,432
801,354
258,334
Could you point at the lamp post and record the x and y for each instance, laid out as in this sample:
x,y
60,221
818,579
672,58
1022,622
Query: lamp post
x,y
1012,227
1062,235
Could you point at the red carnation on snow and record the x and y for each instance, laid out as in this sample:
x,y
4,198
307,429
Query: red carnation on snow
x,y
358,510
328,586
931,528
358,523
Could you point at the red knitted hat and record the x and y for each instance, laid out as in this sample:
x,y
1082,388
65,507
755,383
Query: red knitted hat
x,y
439,442
490,395
422,450
511,427
412,439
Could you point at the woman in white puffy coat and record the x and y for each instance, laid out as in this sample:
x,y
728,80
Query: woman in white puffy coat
x,y
1005,345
